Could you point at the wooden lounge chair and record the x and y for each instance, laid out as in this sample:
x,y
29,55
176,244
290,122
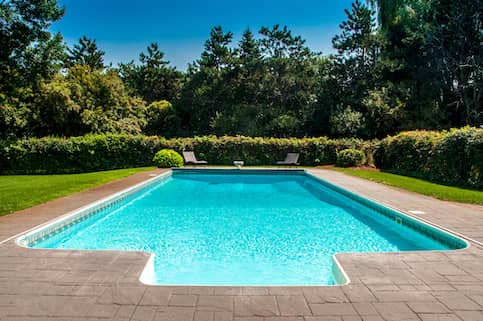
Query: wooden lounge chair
x,y
291,159
190,158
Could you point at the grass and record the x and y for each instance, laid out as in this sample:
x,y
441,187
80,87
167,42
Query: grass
x,y
22,191
443,192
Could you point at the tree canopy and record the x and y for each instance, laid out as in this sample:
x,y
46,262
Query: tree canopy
x,y
398,65
86,53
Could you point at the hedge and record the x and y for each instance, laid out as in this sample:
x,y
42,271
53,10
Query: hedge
x,y
453,157
109,151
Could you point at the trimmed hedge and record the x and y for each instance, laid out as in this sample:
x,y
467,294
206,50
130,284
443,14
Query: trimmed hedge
x,y
77,154
109,151
453,157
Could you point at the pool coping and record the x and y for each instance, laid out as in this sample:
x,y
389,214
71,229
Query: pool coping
x,y
68,219
58,224
87,285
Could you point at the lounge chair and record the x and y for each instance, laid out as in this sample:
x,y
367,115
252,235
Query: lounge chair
x,y
190,158
291,159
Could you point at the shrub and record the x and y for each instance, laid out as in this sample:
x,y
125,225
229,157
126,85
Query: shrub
x,y
452,157
350,157
167,158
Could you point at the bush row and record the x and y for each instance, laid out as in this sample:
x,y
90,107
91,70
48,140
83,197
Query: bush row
x,y
453,157
108,151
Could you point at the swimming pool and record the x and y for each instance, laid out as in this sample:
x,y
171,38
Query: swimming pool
x,y
243,227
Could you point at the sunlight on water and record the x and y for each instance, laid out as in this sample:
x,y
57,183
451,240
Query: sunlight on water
x,y
243,229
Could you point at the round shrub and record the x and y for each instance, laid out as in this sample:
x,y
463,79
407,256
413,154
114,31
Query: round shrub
x,y
167,158
350,157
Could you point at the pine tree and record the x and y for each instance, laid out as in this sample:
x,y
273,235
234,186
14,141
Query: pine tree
x,y
153,79
248,48
217,54
357,35
86,53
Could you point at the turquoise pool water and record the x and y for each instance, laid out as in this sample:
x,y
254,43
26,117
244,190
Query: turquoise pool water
x,y
214,228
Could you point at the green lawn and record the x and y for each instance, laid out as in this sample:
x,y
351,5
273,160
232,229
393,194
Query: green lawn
x,y
21,191
443,192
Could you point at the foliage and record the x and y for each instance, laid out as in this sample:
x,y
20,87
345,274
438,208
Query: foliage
x,y
208,86
152,79
19,192
419,67
384,110
451,157
110,151
434,51
23,33
456,43
356,39
267,85
346,122
350,157
167,158
356,69
86,53
15,113
160,118
443,192
77,154
86,101
28,54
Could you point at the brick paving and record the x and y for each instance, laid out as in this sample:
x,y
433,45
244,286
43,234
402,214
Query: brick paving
x,y
65,285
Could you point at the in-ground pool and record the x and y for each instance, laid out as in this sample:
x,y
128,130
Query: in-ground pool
x,y
218,227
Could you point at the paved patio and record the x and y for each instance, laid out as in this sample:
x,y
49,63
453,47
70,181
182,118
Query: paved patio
x,y
104,285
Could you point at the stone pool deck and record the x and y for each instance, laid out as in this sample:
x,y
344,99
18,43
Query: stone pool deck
x,y
104,285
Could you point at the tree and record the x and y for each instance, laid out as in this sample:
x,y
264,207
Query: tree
x,y
290,80
434,50
384,110
28,53
345,122
217,53
357,63
86,53
358,37
28,50
455,47
247,80
280,43
160,119
262,87
86,101
208,89
400,64
388,11
22,23
153,79
248,49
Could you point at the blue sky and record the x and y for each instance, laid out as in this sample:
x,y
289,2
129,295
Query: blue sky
x,y
125,28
